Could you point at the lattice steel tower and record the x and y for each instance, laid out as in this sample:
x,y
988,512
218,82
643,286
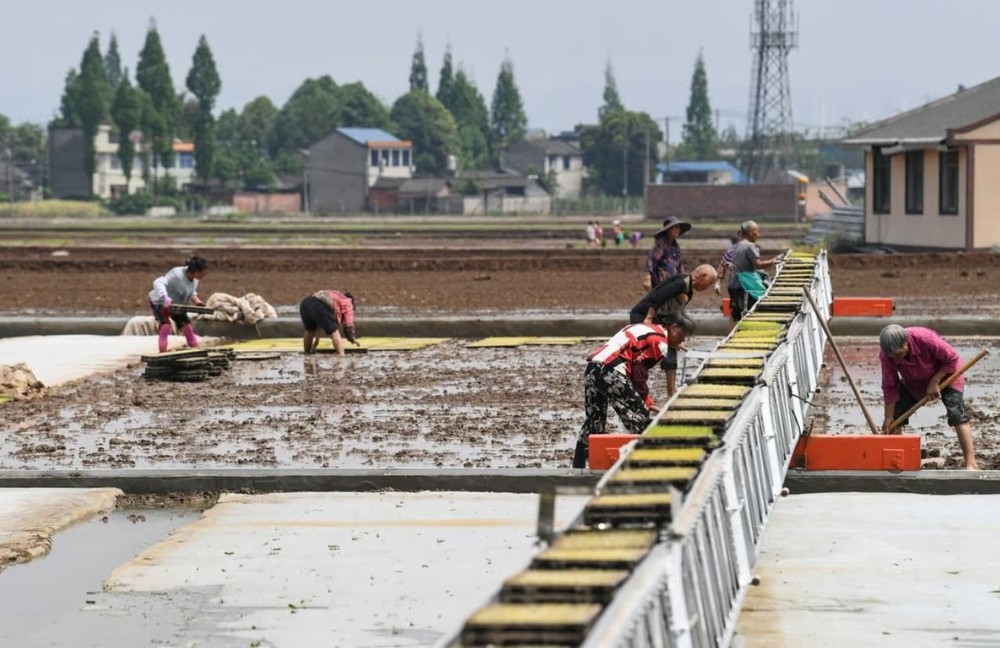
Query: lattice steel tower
x,y
770,146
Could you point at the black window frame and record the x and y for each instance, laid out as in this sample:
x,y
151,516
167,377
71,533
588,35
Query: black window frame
x,y
881,182
948,178
915,182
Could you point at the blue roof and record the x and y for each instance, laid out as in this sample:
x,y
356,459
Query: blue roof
x,y
365,135
703,167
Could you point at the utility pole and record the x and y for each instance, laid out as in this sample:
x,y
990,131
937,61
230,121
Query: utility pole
x,y
625,173
10,182
645,168
666,132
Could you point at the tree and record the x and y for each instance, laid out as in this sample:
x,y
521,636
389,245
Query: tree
x,y
473,121
255,123
203,80
160,117
92,98
309,114
359,107
126,112
422,119
446,81
615,150
612,100
418,68
700,141
69,114
113,64
507,119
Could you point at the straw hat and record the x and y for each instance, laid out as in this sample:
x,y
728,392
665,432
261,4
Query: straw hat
x,y
673,221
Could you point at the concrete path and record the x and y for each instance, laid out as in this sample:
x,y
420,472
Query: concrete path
x,y
877,569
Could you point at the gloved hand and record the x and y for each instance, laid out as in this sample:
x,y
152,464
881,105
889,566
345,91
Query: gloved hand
x,y
351,334
167,302
718,287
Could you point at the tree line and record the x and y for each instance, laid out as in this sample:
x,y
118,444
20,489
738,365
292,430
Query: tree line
x,y
252,146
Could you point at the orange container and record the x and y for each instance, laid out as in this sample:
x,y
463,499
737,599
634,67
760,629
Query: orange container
x,y
863,306
603,449
857,452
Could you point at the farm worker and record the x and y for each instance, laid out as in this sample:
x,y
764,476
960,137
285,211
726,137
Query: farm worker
x,y
914,362
726,262
331,311
664,259
670,296
617,374
746,285
180,286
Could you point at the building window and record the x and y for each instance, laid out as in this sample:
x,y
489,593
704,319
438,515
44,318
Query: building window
x,y
881,182
385,158
185,161
395,158
374,160
948,182
553,159
565,163
406,158
915,182
116,162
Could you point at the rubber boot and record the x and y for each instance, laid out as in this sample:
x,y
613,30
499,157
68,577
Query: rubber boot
x,y
189,335
164,333
580,456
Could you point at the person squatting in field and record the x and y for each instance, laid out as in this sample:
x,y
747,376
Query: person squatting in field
x,y
178,286
617,374
331,311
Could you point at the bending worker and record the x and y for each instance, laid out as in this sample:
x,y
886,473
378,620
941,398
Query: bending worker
x,y
914,362
179,286
617,374
670,296
746,286
331,311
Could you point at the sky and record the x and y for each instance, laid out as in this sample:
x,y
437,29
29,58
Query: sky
x,y
857,60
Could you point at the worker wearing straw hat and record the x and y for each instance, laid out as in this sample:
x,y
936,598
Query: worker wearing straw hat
x,y
664,260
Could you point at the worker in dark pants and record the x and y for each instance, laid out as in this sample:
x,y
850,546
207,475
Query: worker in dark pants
x,y
331,311
617,374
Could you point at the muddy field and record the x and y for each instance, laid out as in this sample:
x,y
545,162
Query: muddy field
x,y
444,406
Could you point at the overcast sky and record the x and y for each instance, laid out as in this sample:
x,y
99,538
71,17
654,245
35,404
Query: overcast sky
x,y
857,59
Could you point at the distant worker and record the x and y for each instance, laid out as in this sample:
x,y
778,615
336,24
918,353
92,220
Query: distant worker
x,y
634,237
671,296
179,286
591,233
914,362
331,311
618,232
746,285
598,234
617,374
664,259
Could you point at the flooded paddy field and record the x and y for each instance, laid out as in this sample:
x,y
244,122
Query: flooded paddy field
x,y
444,406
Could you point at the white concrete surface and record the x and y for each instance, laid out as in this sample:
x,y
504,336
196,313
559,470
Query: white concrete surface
x,y
337,569
57,359
877,569
30,516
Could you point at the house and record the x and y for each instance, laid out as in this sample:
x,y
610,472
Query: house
x,y
562,159
709,172
496,192
68,178
342,168
932,173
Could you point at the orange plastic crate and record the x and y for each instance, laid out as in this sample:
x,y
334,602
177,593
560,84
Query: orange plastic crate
x,y
604,449
848,307
857,452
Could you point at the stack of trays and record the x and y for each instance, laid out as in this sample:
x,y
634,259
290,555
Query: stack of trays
x,y
511,624
193,365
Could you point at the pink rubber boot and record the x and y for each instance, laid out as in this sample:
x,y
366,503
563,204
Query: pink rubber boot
x,y
164,333
189,335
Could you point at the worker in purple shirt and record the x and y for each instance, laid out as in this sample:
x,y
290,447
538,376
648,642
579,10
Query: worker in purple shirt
x,y
664,260
914,362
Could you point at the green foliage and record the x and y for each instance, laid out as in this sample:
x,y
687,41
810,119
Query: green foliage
x,y
113,65
612,100
508,121
359,107
92,99
446,82
160,116
309,114
700,141
618,141
141,201
69,116
422,119
418,68
203,80
254,124
469,188
473,121
126,112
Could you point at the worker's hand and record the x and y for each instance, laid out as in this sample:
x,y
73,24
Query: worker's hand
x,y
718,287
647,282
167,302
351,334
933,391
885,427
196,300
648,321
653,409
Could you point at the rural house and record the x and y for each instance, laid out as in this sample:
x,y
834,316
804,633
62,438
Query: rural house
x,y
342,168
932,173
558,157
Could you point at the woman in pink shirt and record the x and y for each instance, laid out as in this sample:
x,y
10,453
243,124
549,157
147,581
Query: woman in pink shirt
x,y
331,311
914,362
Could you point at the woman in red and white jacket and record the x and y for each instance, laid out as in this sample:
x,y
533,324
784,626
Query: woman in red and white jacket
x,y
617,374
331,311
